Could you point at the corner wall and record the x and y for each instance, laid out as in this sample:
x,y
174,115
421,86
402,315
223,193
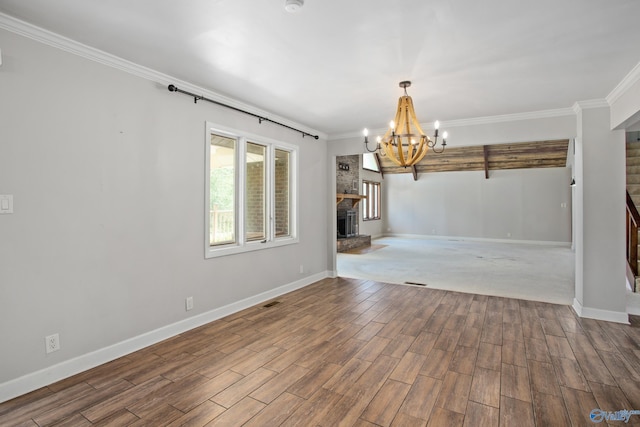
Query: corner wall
x,y
107,237
600,217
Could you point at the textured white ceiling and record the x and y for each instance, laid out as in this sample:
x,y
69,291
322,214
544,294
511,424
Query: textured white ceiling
x,y
335,65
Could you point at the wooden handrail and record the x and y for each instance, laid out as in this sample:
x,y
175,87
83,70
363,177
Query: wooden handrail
x,y
632,207
633,219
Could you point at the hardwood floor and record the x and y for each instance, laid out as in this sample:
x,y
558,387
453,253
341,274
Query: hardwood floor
x,y
359,353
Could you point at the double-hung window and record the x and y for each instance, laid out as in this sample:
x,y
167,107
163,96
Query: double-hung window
x,y
371,205
250,192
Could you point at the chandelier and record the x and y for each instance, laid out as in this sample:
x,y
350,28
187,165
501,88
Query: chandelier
x,y
405,143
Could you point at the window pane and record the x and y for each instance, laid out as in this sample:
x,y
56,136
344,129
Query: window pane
x,y
370,200
376,201
369,162
222,184
365,206
255,206
371,205
282,193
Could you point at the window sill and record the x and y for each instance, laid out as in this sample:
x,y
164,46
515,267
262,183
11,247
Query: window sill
x,y
247,247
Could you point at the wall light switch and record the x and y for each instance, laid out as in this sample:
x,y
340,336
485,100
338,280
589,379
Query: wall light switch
x,y
6,204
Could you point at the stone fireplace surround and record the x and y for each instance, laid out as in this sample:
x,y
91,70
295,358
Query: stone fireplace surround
x,y
347,187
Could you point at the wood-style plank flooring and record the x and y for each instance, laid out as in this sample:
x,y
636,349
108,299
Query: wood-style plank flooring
x,y
360,353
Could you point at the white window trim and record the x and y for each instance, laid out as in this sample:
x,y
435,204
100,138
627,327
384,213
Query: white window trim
x,y
368,201
241,245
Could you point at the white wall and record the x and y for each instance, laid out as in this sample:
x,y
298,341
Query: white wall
x,y
625,101
558,124
526,204
107,173
600,217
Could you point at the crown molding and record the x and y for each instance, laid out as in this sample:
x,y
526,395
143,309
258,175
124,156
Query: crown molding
x,y
589,104
532,115
66,44
628,81
448,124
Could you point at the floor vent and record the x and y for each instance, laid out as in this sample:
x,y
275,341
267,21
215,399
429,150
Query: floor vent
x,y
271,304
415,284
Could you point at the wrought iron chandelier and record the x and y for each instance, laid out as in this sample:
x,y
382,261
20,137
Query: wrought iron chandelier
x,y
405,143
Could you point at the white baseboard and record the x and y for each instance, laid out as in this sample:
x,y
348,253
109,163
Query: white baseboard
x,y
598,314
68,368
479,239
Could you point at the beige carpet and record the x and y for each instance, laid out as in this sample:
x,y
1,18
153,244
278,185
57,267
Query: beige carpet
x,y
525,271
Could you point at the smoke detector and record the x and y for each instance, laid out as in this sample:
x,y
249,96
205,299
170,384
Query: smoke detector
x,y
292,6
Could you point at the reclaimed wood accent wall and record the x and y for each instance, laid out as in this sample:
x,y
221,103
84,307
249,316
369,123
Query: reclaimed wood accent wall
x,y
537,154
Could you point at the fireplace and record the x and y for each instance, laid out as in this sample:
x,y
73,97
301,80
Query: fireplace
x,y
347,223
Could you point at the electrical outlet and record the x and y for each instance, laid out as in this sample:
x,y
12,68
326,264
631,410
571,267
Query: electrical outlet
x,y
188,303
52,343
301,268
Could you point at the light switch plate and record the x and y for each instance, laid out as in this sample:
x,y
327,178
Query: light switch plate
x,y
6,204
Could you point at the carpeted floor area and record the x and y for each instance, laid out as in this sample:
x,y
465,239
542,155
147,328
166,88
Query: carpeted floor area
x,y
525,271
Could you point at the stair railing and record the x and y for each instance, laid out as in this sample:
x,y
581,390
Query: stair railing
x,y
633,219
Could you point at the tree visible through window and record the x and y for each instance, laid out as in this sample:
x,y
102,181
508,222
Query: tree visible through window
x,y
371,205
222,185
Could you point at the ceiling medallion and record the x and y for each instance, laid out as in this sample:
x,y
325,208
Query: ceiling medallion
x,y
405,143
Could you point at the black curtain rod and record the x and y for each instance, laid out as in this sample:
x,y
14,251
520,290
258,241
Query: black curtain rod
x,y
196,98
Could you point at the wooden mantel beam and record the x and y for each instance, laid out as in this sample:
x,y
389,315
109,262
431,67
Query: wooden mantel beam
x,y
355,198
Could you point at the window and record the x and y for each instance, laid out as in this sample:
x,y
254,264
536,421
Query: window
x,y
256,185
283,193
370,162
222,190
250,193
371,205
